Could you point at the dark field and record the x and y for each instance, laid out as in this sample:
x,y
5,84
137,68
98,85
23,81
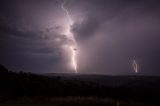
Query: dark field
x,y
26,89
68,101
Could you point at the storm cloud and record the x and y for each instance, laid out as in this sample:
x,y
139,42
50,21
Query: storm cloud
x,y
110,35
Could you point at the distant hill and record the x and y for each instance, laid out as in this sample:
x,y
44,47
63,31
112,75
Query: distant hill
x,y
3,69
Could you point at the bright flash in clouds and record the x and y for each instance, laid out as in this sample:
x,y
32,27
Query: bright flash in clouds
x,y
72,47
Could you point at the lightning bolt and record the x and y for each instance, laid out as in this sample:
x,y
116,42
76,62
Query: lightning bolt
x,y
72,47
135,66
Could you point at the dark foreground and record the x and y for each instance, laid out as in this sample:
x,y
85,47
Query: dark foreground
x,y
68,101
26,89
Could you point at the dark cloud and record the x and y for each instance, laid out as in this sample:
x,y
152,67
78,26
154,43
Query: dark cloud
x,y
125,31
86,29
110,34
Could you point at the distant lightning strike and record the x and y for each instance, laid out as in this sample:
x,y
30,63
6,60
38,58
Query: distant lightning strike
x,y
74,62
135,66
72,47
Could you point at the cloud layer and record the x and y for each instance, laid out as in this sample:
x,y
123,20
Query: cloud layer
x,y
110,35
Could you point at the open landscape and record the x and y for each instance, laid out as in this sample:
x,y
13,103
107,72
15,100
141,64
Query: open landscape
x,y
26,89
79,52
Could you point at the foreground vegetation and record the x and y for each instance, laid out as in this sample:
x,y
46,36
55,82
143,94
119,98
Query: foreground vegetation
x,y
68,101
26,89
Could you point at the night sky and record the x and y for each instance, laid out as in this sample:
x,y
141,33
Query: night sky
x,y
110,35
